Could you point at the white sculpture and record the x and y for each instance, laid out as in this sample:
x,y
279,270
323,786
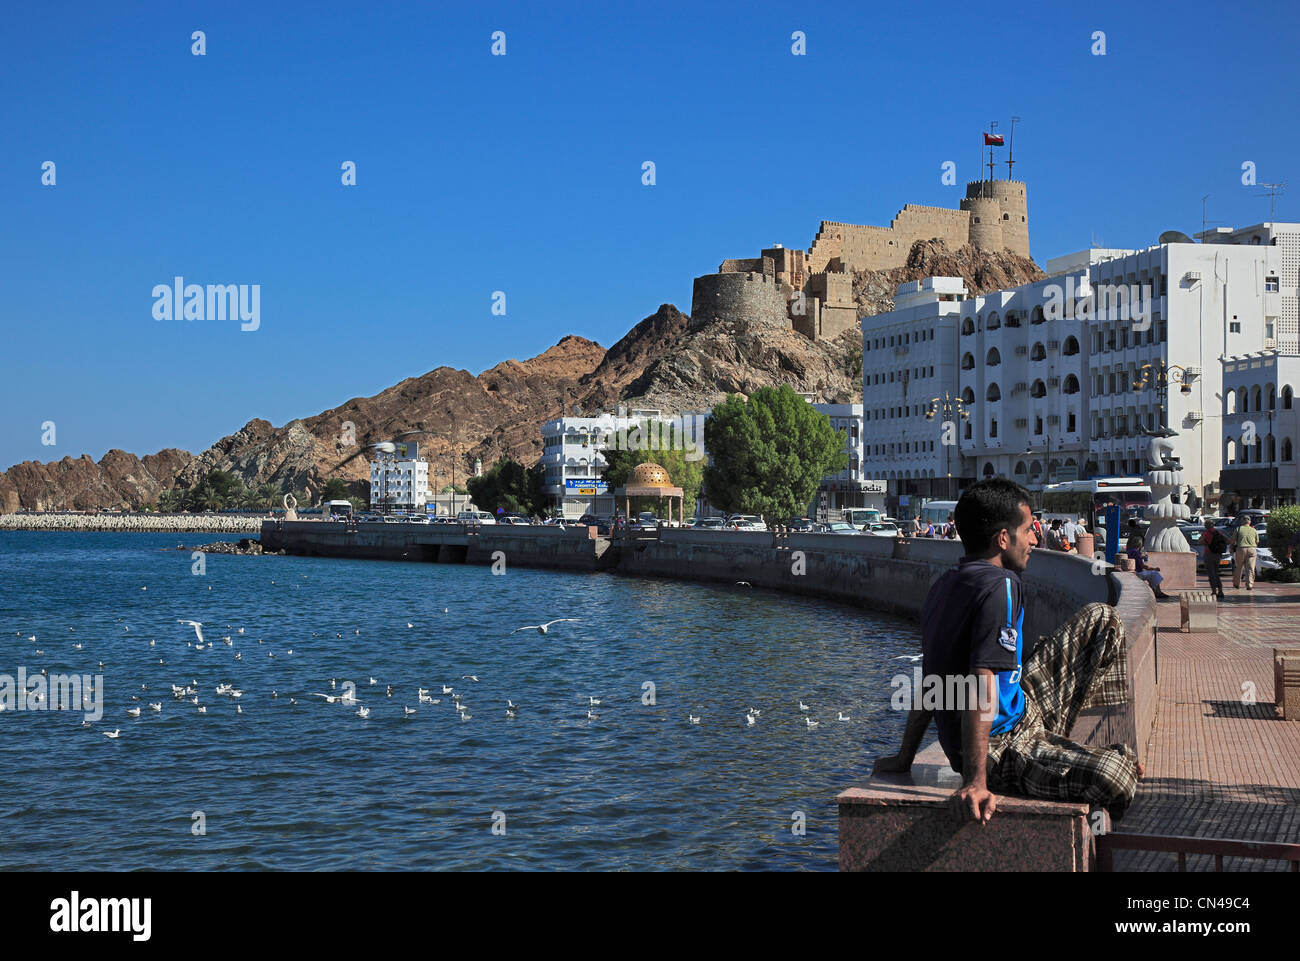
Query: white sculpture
x,y
290,507
1165,479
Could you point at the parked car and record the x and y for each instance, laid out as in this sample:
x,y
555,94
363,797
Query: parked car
x,y
882,530
1195,541
708,523
746,522
602,524
802,524
475,517
839,527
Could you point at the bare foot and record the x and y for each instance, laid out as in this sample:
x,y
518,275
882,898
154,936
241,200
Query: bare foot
x,y
1141,770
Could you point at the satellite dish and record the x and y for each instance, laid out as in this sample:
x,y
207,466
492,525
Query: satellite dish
x,y
1175,237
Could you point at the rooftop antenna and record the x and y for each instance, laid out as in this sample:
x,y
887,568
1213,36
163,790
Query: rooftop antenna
x,y
1272,192
1011,145
1205,223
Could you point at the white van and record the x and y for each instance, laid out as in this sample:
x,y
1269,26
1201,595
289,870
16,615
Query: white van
x,y
936,512
475,517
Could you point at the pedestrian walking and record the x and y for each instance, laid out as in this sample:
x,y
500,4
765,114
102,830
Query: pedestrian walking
x,y
1216,545
1245,543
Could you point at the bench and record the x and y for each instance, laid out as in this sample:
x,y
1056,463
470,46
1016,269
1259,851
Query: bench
x,y
903,822
1199,610
1286,682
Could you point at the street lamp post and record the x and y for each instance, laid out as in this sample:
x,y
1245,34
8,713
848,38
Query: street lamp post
x,y
950,407
1047,467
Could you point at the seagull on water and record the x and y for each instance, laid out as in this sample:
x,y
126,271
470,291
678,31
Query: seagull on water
x,y
750,720
909,657
373,682
203,710
363,711
811,723
592,701
112,733
803,706
541,628
692,718
446,689
133,712
842,717
156,707
592,715
197,625
510,713
408,711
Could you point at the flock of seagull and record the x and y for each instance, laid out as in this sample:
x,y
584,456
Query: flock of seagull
x,y
347,696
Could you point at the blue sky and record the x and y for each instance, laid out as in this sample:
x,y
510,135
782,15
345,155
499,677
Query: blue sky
x,y
522,174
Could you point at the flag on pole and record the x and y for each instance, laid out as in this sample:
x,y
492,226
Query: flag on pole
x,y
993,140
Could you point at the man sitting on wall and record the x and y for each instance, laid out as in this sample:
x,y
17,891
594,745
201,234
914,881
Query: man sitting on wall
x,y
1012,739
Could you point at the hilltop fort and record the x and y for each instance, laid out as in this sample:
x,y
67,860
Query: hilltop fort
x,y
812,291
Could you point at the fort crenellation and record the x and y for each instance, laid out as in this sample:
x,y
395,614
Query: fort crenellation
x,y
812,292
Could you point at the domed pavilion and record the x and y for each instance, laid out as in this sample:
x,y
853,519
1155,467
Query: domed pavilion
x,y
651,480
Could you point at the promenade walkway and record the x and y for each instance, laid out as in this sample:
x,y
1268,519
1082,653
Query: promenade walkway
x,y
1220,763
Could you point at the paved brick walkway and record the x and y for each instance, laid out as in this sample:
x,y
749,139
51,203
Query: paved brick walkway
x,y
1220,763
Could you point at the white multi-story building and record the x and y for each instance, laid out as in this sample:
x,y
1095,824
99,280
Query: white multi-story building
x,y
399,484
1022,372
909,378
1286,238
1261,429
575,466
1209,301
1067,371
849,487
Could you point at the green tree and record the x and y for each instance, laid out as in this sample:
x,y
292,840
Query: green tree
x,y
684,473
769,453
336,489
1283,522
510,486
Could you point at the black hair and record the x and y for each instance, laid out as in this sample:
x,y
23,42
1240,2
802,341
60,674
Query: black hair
x,y
986,509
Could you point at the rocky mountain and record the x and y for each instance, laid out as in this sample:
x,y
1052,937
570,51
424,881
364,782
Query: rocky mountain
x,y
661,362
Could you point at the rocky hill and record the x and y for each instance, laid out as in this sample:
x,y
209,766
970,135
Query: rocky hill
x,y
660,363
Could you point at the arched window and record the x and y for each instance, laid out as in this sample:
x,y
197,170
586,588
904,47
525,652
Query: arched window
x,y
993,358
1036,469
1270,448
993,393
1258,396
968,396
993,322
967,326
1036,315
1230,455
968,430
988,469
1071,346
1071,384
1038,352
1039,389
968,362
1272,397
1286,450
1013,317
1287,394
1259,450
1230,401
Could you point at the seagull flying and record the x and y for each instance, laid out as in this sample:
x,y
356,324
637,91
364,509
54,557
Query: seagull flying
x,y
197,625
541,628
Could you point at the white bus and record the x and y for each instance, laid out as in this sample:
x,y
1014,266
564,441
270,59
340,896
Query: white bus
x,y
858,516
337,508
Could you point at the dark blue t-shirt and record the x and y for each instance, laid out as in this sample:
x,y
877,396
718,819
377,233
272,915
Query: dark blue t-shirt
x,y
973,618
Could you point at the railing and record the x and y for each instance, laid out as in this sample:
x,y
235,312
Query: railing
x,y
1108,844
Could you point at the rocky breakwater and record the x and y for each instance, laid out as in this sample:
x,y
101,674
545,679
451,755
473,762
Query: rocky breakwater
x,y
213,523
245,545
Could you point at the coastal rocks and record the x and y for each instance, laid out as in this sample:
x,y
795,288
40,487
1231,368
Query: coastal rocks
x,y
180,523
245,545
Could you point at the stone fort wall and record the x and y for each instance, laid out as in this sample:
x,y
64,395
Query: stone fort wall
x,y
741,298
